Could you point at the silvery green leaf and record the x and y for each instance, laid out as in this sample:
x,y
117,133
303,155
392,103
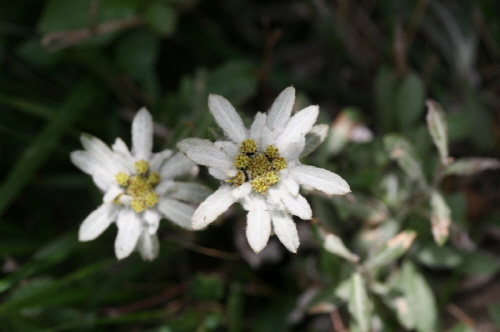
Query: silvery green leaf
x,y
314,138
440,218
438,257
343,290
469,166
438,128
403,312
401,150
359,303
333,244
393,249
419,300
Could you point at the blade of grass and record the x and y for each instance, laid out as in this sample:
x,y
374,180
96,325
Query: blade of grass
x,y
43,294
33,157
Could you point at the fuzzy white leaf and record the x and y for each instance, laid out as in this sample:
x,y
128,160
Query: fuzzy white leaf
x,y
438,128
226,117
281,109
320,179
285,229
97,222
177,165
129,229
258,224
210,156
148,246
212,207
177,212
297,127
142,135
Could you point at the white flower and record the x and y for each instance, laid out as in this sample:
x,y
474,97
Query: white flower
x,y
260,169
138,189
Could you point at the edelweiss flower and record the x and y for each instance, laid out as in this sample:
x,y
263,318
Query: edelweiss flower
x,y
139,189
260,169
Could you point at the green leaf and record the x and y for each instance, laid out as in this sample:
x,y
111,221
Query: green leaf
x,y
161,17
333,244
471,166
39,150
401,150
393,249
435,256
410,98
419,299
360,306
438,128
440,218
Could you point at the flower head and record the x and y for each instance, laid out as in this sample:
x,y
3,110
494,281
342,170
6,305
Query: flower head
x,y
260,168
139,189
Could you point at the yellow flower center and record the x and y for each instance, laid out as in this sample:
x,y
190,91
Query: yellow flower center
x,y
140,186
261,169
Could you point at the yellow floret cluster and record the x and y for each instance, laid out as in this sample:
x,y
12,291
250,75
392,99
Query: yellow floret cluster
x,y
140,186
261,169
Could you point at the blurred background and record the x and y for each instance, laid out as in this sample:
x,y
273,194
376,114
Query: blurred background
x,y
73,66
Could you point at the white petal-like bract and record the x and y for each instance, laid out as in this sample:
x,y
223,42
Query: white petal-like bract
x,y
142,135
281,109
285,229
209,156
320,179
212,207
129,230
177,212
258,224
97,222
148,246
226,117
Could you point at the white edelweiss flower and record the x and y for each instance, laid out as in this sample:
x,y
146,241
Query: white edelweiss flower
x,y
260,168
139,189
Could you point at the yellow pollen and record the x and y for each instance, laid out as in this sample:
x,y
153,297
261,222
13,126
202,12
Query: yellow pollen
x,y
279,163
259,165
238,179
141,167
272,151
138,205
241,161
122,179
154,178
248,146
151,199
261,169
140,186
